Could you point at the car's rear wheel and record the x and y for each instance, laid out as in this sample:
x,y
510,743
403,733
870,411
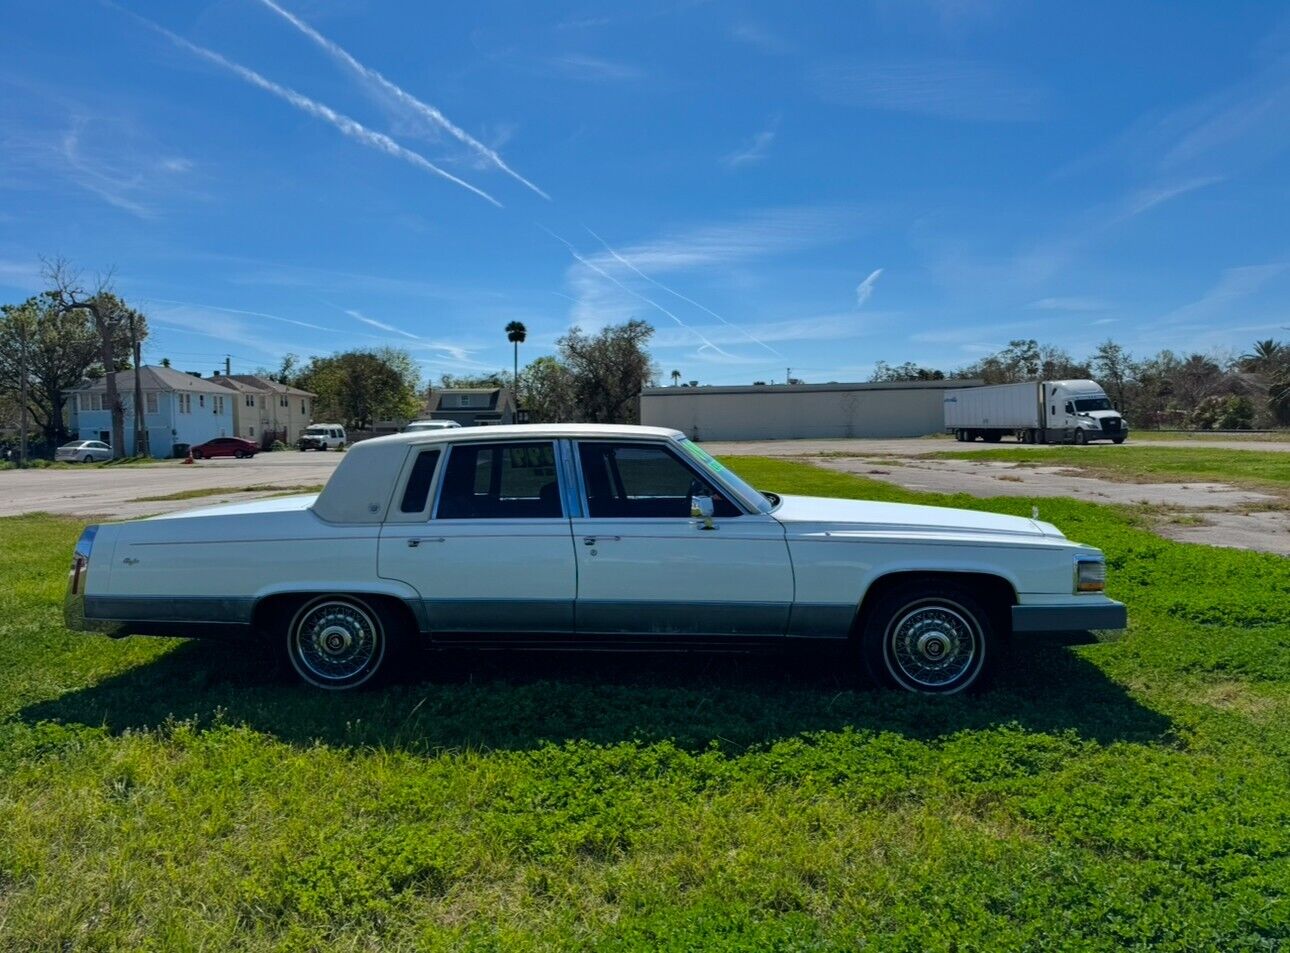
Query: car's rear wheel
x,y
339,642
1117,440
935,639
197,454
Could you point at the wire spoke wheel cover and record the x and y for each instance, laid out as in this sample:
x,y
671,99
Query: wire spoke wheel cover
x,y
934,645
336,643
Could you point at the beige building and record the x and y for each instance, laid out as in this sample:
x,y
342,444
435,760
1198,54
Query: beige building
x,y
796,411
265,410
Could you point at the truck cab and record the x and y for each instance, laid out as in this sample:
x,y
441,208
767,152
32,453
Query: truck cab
x,y
1082,410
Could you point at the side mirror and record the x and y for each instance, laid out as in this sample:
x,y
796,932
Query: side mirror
x,y
702,508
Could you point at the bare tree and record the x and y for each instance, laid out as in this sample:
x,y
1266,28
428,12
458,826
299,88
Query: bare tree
x,y
108,313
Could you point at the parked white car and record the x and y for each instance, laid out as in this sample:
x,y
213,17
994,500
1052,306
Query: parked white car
x,y
84,451
418,426
592,535
322,437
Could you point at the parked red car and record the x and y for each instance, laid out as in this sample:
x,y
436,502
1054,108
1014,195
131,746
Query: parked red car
x,y
225,447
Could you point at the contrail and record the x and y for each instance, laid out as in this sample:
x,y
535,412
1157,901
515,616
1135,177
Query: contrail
x,y
678,294
865,288
401,95
350,127
649,301
358,316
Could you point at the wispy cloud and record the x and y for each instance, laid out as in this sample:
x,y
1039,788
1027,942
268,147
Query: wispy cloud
x,y
761,38
254,314
706,343
594,69
401,96
704,308
942,89
349,127
1234,285
752,236
1147,198
864,290
755,149
1069,304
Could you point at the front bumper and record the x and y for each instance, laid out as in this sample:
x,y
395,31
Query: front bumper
x,y
1070,617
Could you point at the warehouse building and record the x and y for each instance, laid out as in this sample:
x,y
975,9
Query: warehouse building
x,y
797,411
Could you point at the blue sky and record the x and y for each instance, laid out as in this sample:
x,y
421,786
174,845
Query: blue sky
x,y
815,186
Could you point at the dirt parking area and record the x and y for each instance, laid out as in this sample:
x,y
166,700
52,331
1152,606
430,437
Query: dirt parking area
x,y
914,446
1217,514
121,492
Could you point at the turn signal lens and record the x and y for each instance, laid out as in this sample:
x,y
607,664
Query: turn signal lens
x,y
1090,575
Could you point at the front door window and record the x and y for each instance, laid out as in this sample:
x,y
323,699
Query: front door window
x,y
635,481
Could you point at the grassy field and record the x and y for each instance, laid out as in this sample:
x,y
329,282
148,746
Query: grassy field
x,y
1105,795
1267,468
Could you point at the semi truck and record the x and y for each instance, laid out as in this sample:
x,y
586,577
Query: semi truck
x,y
1034,412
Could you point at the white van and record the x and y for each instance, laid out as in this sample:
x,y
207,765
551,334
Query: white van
x,y
322,437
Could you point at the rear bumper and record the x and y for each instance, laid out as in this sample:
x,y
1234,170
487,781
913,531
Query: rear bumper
x,y
1072,617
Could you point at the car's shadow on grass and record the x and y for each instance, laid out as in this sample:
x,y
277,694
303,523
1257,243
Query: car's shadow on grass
x,y
519,700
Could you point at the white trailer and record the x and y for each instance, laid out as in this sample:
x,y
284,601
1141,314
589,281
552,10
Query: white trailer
x,y
1075,411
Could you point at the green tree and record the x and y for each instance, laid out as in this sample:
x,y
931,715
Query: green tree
x,y
608,369
63,350
1114,368
359,388
110,317
884,373
549,394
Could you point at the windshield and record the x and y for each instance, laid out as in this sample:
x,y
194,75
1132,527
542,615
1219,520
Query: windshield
x,y
1085,404
724,475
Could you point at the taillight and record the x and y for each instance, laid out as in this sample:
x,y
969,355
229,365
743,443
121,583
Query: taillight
x,y
81,560
79,563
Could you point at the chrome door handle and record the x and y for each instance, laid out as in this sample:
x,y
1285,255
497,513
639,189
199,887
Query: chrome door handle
x,y
414,542
592,540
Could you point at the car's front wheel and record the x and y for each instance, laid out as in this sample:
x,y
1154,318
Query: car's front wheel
x,y
338,642
936,639
88,458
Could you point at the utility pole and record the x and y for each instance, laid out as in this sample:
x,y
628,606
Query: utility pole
x,y
228,365
22,400
788,375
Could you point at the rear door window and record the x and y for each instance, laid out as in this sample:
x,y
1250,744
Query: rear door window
x,y
501,481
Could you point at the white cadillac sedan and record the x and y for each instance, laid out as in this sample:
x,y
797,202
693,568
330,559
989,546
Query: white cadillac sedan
x,y
561,535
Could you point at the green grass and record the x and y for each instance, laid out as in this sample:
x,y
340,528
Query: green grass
x,y
1263,468
40,464
1123,794
1201,436
225,490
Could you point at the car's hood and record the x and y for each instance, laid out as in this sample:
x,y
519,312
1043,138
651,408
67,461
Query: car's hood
x,y
276,504
867,516
1101,414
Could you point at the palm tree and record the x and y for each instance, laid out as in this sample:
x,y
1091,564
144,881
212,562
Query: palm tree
x,y
676,378
1266,354
516,332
